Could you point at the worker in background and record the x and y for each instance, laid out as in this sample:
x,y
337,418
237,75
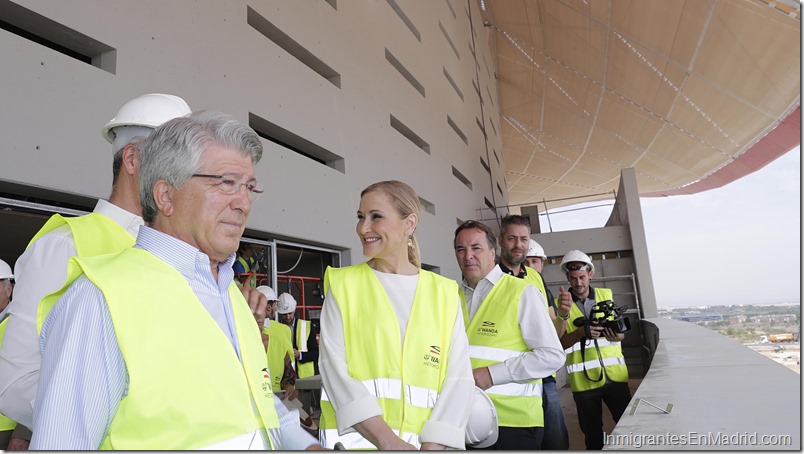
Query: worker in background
x,y
556,436
304,336
386,396
246,263
279,348
111,227
9,440
155,347
516,246
595,364
512,341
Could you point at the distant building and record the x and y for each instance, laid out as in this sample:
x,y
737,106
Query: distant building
x,y
737,319
699,318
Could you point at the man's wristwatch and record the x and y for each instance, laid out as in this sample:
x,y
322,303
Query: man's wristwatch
x,y
563,317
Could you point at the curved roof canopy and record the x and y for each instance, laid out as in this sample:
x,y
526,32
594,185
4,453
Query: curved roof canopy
x,y
688,92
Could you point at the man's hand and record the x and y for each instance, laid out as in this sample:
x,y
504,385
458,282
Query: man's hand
x,y
482,378
611,336
17,444
290,392
564,302
593,331
257,302
297,354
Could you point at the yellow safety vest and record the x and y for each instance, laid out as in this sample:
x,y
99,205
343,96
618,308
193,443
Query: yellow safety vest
x,y
187,387
494,336
535,279
279,345
610,352
94,234
5,423
252,282
405,379
307,369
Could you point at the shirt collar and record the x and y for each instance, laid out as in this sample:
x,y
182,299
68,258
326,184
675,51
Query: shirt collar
x,y
507,270
176,252
129,221
494,275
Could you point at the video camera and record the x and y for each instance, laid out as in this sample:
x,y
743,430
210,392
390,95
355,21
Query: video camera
x,y
608,315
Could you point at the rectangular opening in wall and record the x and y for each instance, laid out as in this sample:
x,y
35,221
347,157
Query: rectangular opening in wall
x,y
480,125
404,71
409,134
490,206
446,36
497,158
427,205
405,19
289,45
457,130
333,4
499,189
491,98
461,178
491,122
294,142
451,9
452,83
485,165
55,36
477,87
471,49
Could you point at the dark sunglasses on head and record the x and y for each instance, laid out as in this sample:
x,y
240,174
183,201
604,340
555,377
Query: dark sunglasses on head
x,y
577,266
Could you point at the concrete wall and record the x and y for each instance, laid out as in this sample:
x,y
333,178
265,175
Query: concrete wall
x,y
325,76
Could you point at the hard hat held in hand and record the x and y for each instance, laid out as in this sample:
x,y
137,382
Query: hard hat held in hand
x,y
269,293
535,250
286,304
481,429
5,271
148,111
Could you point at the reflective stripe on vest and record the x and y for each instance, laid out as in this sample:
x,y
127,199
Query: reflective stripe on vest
x,y
494,336
93,234
187,387
611,354
392,388
5,422
594,364
408,381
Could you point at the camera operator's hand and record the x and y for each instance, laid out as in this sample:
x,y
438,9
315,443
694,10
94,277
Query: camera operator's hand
x,y
593,331
611,336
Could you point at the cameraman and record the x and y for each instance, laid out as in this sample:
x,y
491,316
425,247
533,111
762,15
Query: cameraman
x,y
595,364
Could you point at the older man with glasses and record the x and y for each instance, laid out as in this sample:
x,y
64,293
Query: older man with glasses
x,y
155,347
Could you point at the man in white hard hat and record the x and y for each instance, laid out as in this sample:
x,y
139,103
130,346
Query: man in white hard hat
x,y
155,347
595,365
8,438
304,336
278,347
111,227
512,341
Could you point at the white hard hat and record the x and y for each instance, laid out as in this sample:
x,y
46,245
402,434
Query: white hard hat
x,y
481,429
576,256
5,271
268,292
286,304
147,111
535,250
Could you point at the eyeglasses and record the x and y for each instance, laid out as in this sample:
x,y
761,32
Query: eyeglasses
x,y
228,184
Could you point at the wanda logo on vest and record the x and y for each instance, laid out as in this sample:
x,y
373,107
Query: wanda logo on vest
x,y
487,328
266,382
433,357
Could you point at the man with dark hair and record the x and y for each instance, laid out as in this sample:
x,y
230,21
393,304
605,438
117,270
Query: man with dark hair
x,y
515,244
512,342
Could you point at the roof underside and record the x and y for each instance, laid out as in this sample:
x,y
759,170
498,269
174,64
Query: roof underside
x,y
684,91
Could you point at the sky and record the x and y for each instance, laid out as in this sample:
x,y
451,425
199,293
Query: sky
x,y
738,244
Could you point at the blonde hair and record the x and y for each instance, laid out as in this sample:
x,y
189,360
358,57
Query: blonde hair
x,y
406,202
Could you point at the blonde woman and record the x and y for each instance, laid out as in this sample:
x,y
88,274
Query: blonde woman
x,y
394,353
